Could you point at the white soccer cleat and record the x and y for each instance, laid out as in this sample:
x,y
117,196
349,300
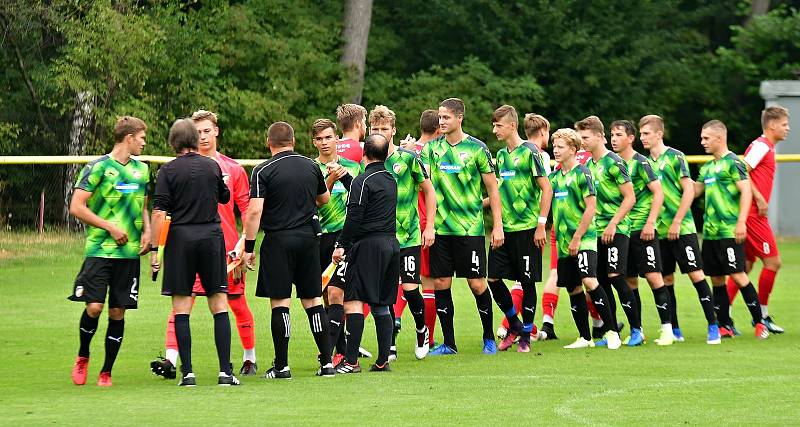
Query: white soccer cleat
x,y
422,347
501,332
612,338
581,343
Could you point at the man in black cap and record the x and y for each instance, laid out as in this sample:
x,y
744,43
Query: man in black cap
x,y
373,255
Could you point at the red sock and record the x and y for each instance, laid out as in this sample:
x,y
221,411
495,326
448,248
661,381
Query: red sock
x,y
733,289
244,321
592,309
549,304
399,303
765,283
366,310
430,312
171,341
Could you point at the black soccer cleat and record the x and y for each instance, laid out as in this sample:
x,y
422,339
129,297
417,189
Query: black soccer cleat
x,y
380,368
248,369
227,380
346,368
548,331
188,380
163,367
326,371
282,374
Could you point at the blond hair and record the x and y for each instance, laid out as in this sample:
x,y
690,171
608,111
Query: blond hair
x,y
505,111
569,136
775,112
348,115
200,115
534,123
655,122
382,113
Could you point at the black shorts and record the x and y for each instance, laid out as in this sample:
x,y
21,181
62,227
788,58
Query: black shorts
x,y
371,271
463,255
685,251
327,243
572,270
117,277
643,256
723,257
410,264
612,258
286,257
194,250
518,259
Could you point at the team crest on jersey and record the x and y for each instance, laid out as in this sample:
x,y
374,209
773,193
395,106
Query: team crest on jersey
x,y
569,181
463,156
516,161
136,174
397,168
718,168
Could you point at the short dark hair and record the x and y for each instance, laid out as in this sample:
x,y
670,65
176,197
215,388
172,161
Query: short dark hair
x,y
280,134
624,124
376,147
453,104
320,125
182,135
429,121
127,125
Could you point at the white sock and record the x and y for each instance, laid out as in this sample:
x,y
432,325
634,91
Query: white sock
x,y
597,323
249,354
764,311
547,319
172,356
666,326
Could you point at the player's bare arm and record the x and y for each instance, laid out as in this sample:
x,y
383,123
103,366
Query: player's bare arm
x,y
745,199
649,229
687,197
156,223
490,182
78,209
144,244
761,202
540,235
429,233
586,219
323,198
254,210
628,200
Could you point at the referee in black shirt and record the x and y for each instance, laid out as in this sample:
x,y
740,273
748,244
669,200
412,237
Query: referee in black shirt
x,y
288,188
373,254
189,188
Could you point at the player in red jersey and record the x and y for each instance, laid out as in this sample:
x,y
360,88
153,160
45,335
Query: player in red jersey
x,y
759,158
238,182
352,120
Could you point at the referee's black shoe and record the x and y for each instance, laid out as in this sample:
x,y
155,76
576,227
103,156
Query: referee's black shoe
x,y
163,367
278,374
188,380
326,371
227,380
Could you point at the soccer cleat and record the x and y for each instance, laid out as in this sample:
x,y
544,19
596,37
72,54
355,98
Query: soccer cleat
x,y
104,380
725,331
489,346
581,343
346,368
392,353
602,342
282,374
547,332
772,327
164,368
762,332
501,332
380,368
676,332
249,368
188,380
79,370
442,350
612,340
225,380
422,348
337,358
509,340
666,337
524,346
326,371
636,338
362,352
713,335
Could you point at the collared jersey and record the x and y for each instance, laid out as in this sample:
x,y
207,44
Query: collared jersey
x,y
371,206
332,214
609,173
670,167
456,176
520,194
722,196
408,171
641,174
190,188
570,188
118,193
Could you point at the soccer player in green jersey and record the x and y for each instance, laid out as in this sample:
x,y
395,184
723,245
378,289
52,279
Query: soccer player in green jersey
x,y
615,198
458,164
336,170
676,229
576,238
525,195
727,203
644,256
411,176
111,199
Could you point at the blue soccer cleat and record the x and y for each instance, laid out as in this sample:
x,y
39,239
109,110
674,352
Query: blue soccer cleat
x,y
442,350
636,338
713,335
489,346
676,332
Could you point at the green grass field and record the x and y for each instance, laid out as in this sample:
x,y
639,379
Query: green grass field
x,y
741,381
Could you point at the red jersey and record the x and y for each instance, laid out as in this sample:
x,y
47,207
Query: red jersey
x,y
350,149
238,183
760,156
581,156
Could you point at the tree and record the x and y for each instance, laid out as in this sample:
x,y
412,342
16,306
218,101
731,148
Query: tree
x,y
357,18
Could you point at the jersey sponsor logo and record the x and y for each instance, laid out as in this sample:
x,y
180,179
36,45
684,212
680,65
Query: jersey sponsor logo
x,y
450,168
710,180
507,173
127,187
561,194
397,167
338,188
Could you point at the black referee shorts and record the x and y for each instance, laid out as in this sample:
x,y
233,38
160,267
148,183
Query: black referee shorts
x,y
518,259
643,256
286,257
194,250
117,277
723,257
373,266
327,243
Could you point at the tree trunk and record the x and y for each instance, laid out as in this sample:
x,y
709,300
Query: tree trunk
x,y
757,8
81,122
357,19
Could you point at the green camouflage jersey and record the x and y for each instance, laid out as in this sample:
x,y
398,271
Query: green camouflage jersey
x,y
118,193
406,168
569,191
609,173
641,174
455,172
520,195
670,167
722,196
332,214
